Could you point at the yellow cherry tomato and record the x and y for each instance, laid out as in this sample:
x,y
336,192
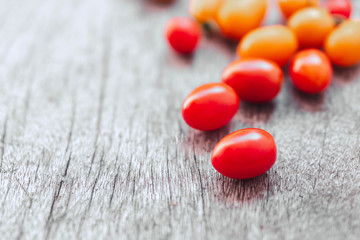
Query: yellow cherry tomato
x,y
237,17
343,44
311,26
204,10
277,43
288,7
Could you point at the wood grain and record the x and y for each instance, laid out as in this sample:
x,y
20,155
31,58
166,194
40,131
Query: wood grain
x,y
93,145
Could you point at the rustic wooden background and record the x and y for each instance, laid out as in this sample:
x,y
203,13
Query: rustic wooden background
x,y
93,145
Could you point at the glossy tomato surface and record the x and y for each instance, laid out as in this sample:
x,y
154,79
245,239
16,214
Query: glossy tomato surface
x,y
254,80
342,8
288,7
210,106
182,34
244,154
311,26
343,44
311,71
235,18
276,43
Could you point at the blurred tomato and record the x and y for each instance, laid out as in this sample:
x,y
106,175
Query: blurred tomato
x,y
182,34
235,18
342,8
288,7
343,44
311,26
204,10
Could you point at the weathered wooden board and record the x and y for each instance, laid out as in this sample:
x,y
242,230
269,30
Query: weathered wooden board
x,y
93,145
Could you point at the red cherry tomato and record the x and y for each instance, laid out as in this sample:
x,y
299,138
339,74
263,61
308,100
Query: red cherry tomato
x,y
311,71
244,154
254,80
183,34
210,106
342,8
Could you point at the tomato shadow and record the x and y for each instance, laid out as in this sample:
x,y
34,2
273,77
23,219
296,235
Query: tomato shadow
x,y
213,39
203,142
179,60
154,6
308,102
344,76
253,114
243,191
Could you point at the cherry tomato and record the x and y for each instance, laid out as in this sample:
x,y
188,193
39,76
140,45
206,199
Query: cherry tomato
x,y
288,7
244,154
254,80
235,18
276,43
342,8
311,26
183,34
210,106
311,71
204,10
343,44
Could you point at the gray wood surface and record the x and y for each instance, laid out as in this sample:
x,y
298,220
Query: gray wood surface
x,y
93,145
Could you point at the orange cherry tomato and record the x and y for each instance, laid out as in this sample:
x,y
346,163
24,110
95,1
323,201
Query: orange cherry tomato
x,y
244,154
343,44
182,34
254,80
210,106
276,43
235,18
204,10
311,71
288,7
311,26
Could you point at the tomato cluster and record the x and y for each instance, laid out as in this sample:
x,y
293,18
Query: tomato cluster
x,y
314,37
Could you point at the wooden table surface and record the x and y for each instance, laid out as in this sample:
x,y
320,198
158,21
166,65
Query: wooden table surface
x,y
93,145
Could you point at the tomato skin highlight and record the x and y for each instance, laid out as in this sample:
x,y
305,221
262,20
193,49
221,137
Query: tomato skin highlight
x,y
311,26
341,8
343,44
276,43
311,71
182,34
210,106
244,154
235,18
289,7
254,80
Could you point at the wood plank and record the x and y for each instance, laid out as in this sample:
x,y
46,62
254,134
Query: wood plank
x,y
93,145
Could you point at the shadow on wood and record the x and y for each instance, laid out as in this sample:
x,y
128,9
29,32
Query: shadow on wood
x,y
244,191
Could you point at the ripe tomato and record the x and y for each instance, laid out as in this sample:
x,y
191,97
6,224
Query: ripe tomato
x,y
210,106
204,10
244,154
343,44
311,26
276,43
254,80
342,8
311,71
235,18
288,7
183,34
